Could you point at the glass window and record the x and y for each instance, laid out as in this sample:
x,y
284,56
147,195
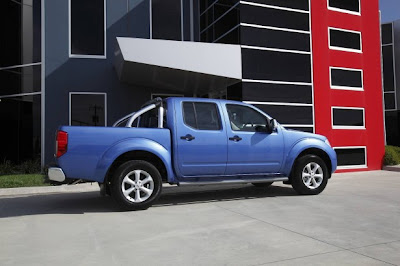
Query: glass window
x,y
20,80
390,101
283,93
275,39
341,39
20,118
346,78
388,68
243,118
166,20
289,115
219,22
87,27
350,156
274,17
202,116
392,125
348,5
88,109
149,119
347,117
21,32
295,4
272,65
387,33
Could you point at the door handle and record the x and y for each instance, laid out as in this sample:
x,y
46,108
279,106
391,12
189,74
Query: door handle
x,y
188,137
235,138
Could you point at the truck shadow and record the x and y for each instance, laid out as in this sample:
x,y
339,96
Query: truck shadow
x,y
92,202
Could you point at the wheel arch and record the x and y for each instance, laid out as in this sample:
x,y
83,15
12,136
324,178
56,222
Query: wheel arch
x,y
314,151
140,155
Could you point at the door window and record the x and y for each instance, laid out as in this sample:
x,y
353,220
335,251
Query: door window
x,y
202,116
243,118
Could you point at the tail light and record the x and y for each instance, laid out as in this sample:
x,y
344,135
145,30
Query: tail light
x,y
61,143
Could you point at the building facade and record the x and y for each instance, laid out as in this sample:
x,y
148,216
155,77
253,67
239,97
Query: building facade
x,y
391,82
314,65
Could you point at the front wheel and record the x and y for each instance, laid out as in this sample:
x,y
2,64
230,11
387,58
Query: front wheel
x,y
136,185
310,175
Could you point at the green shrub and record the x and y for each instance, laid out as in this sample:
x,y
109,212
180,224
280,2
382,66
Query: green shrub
x,y
392,155
6,167
27,167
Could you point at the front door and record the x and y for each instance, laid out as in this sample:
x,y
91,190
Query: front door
x,y
201,139
249,150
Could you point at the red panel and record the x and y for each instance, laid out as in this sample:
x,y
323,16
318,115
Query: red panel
x,y
369,60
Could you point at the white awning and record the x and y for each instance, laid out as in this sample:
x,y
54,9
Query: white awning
x,y
176,65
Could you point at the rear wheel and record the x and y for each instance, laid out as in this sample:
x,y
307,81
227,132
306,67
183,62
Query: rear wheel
x,y
136,185
310,175
262,185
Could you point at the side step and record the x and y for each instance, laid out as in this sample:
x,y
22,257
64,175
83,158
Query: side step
x,y
236,181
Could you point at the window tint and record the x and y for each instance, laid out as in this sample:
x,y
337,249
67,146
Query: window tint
x,y
202,116
275,39
387,33
388,68
295,4
88,110
289,115
272,65
346,78
166,19
87,27
345,39
348,117
349,5
390,102
274,17
351,156
243,118
149,119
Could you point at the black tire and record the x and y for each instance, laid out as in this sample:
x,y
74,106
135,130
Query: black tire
x,y
262,185
311,184
139,197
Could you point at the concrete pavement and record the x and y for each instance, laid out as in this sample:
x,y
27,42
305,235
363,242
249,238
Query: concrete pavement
x,y
355,221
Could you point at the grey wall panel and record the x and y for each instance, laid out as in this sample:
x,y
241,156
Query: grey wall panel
x,y
64,74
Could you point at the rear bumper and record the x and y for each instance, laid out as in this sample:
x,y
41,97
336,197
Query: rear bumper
x,y
56,174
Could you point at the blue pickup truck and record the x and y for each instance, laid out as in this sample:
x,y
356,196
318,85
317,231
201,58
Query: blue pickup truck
x,y
191,141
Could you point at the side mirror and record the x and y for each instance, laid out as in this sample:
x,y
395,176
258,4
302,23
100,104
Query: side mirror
x,y
262,129
271,125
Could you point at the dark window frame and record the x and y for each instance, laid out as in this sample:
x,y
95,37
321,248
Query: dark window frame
x,y
181,21
87,93
72,55
345,127
194,108
342,87
342,10
244,106
353,166
345,49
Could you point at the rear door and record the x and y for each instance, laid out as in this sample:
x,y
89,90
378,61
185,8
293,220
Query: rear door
x,y
201,139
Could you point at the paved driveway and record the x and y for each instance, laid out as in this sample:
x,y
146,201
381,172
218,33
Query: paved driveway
x,y
355,221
